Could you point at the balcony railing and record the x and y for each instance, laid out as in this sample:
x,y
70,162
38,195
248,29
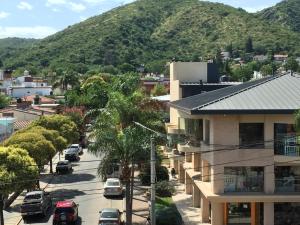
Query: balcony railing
x,y
234,183
287,145
287,184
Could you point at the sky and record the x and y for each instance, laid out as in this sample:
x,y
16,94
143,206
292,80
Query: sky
x,y
40,18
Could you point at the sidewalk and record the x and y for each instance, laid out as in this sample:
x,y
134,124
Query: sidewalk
x,y
12,213
140,206
190,215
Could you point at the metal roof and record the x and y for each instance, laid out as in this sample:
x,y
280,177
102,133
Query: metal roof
x,y
271,95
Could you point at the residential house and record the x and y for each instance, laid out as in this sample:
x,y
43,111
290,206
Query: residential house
x,y
237,152
151,80
260,58
27,85
280,58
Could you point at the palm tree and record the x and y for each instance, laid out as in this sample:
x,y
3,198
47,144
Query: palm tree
x,y
118,139
124,146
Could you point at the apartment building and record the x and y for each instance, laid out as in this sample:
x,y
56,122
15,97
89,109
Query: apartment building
x,y
237,151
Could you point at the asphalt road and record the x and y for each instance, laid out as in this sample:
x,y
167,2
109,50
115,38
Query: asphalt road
x,y
85,188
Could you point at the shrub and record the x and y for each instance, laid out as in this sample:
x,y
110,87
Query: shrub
x,y
164,189
167,213
161,174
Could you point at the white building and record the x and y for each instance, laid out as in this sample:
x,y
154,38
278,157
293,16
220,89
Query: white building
x,y
26,85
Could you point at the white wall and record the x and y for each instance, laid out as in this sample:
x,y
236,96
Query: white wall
x,y
23,91
188,71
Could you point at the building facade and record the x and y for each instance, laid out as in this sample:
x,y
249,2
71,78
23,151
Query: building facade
x,y
237,151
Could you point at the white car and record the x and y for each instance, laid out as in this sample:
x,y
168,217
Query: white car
x,y
113,187
77,147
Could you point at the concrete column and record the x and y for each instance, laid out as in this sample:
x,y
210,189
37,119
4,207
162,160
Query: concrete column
x,y
196,161
204,209
176,162
268,213
188,157
196,196
217,179
188,184
217,210
269,180
205,170
181,174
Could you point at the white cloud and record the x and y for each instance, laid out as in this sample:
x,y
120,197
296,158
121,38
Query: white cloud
x,y
83,18
56,2
24,6
77,7
94,1
4,14
26,32
255,9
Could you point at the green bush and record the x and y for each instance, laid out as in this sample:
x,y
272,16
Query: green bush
x,y
167,213
161,174
164,189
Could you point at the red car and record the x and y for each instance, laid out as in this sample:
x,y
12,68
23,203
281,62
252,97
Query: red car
x,y
66,212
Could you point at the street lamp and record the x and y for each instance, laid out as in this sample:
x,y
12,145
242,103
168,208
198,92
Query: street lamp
x,y
153,174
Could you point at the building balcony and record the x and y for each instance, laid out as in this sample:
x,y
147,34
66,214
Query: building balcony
x,y
188,147
288,146
173,129
287,185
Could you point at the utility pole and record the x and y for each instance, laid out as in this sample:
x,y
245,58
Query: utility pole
x,y
152,212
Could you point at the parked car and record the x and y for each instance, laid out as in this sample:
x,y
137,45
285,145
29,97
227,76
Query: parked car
x,y
113,187
36,202
77,147
66,212
71,154
63,166
110,216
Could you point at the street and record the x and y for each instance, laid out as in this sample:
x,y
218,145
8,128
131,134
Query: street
x,y
84,187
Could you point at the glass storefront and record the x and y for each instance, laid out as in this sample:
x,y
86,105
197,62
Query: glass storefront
x,y
244,213
243,179
287,213
239,213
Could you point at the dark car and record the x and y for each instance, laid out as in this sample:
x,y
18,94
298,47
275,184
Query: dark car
x,y
72,154
66,212
34,203
63,166
110,216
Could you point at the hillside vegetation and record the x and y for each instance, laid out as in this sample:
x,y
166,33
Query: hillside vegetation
x,y
285,13
154,31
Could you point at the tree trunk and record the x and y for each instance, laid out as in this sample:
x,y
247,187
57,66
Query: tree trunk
x,y
128,211
51,166
1,209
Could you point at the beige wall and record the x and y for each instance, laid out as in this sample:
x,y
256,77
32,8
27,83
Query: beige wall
x,y
188,71
19,115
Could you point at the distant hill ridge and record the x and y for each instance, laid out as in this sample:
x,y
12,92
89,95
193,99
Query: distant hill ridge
x,y
153,31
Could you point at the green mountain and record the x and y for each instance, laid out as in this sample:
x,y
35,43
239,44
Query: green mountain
x,y
285,13
153,31
9,46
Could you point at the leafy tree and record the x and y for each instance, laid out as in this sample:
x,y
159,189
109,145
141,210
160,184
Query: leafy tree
x,y
159,89
95,90
4,101
18,171
126,67
53,136
242,73
266,70
219,60
249,45
38,147
63,124
292,64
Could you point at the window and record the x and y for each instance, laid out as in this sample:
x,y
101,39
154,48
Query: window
x,y
251,135
285,140
243,179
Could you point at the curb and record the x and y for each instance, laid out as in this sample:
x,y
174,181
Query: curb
x,y
52,176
